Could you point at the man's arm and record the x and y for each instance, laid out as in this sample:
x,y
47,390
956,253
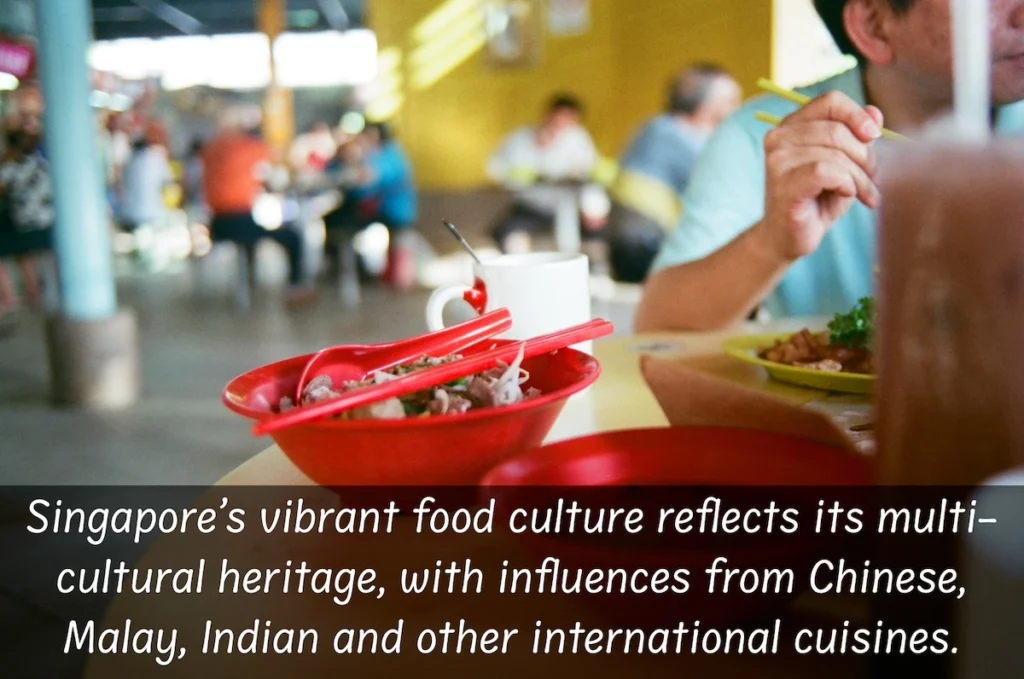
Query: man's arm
x,y
724,287
817,163
588,155
499,164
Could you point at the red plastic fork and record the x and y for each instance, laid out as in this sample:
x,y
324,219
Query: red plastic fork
x,y
346,363
432,377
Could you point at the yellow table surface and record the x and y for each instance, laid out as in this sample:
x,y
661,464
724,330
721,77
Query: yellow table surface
x,y
619,400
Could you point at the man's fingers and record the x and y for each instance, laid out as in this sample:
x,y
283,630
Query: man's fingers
x,y
840,108
876,115
837,163
808,173
826,134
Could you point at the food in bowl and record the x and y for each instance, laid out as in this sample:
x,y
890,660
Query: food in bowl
x,y
499,386
845,347
414,451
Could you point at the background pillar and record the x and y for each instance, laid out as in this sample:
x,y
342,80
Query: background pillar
x,y
92,345
278,104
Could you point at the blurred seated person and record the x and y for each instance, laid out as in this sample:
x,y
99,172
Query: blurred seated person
x,y
192,181
784,218
144,178
26,225
311,151
378,185
236,168
656,167
530,159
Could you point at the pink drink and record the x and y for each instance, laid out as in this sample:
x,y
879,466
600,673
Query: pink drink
x,y
951,314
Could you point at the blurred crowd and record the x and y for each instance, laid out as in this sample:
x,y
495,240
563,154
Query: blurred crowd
x,y
346,182
26,206
232,186
630,212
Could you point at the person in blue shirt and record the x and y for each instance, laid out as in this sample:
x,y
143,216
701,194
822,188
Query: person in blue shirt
x,y
656,167
785,218
379,186
383,189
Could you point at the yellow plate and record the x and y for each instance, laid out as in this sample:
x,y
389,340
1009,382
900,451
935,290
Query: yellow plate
x,y
746,349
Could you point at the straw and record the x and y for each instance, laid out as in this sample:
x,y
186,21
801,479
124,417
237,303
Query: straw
x,y
971,77
800,100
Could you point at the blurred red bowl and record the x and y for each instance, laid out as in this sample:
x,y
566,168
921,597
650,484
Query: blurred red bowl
x,y
680,467
454,450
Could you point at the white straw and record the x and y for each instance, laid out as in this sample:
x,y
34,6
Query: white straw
x,y
971,74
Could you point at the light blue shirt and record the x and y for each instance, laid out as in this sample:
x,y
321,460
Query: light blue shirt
x,y
665,149
726,197
145,176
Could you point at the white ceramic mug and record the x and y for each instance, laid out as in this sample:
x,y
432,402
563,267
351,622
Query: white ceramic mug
x,y
544,291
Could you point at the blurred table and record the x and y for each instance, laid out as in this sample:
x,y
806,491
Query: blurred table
x,y
619,400
564,197
567,220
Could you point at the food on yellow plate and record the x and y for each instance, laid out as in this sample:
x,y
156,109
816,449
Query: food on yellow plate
x,y
498,386
845,347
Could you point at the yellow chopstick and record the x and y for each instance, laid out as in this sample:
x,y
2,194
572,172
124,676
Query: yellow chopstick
x,y
779,91
800,100
768,118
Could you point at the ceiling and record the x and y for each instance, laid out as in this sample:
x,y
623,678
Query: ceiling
x,y
115,19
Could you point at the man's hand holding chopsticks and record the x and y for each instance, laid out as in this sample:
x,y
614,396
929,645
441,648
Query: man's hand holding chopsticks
x,y
818,162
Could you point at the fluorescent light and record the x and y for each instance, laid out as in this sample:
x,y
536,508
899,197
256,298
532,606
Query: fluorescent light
x,y
131,59
326,58
242,61
239,62
185,61
8,82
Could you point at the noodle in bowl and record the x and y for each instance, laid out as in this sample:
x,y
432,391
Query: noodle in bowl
x,y
450,449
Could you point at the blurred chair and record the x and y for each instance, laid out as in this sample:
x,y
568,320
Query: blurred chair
x,y
245,258
346,264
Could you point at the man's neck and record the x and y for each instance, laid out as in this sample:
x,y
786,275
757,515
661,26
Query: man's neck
x,y
903,103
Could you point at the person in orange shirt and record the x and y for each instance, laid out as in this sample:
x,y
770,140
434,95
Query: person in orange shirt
x,y
236,165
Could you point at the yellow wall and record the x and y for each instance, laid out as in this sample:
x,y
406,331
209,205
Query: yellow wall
x,y
619,68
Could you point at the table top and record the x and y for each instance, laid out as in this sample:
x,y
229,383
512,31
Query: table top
x,y
619,400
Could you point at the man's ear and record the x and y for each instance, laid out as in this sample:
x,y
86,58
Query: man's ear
x,y
865,23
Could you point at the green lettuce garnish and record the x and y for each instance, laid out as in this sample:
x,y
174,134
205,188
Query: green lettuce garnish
x,y
855,329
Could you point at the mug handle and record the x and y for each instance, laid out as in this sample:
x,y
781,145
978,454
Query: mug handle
x,y
439,300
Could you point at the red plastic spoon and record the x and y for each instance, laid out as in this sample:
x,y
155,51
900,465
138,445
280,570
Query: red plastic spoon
x,y
430,377
353,362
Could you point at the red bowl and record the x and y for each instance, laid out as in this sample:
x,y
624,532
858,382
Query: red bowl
x,y
453,450
679,467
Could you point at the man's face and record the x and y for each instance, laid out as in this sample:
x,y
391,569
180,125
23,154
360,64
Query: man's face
x,y
370,138
921,41
561,119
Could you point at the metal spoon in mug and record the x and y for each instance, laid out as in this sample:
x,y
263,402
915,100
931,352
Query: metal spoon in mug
x,y
462,241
